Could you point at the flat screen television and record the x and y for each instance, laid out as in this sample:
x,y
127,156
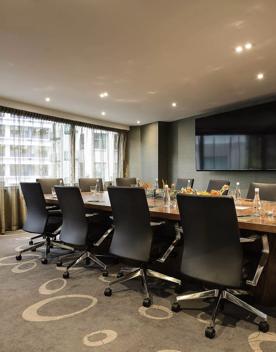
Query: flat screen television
x,y
243,139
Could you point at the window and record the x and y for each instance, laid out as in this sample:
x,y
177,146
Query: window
x,y
2,170
2,150
100,140
29,151
2,131
95,153
42,148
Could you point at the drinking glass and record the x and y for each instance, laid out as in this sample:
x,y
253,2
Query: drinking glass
x,y
93,190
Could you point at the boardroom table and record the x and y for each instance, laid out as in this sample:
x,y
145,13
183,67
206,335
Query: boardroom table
x,y
265,292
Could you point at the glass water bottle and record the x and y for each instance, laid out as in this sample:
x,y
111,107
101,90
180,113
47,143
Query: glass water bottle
x,y
167,197
257,202
237,194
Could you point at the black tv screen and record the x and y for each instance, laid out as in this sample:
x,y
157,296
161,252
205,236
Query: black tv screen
x,y
243,139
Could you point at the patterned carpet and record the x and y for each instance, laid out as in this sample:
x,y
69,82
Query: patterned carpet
x,y
40,311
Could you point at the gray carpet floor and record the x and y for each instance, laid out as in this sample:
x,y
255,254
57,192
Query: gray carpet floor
x,y
40,311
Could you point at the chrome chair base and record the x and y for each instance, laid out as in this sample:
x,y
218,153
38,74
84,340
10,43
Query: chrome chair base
x,y
221,295
84,256
133,273
48,243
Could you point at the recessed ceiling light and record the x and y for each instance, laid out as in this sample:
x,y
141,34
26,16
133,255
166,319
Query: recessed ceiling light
x,y
260,76
104,95
138,122
174,104
47,99
103,113
248,46
239,49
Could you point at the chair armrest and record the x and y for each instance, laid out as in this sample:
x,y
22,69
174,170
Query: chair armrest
x,y
104,236
262,262
249,239
90,215
155,223
178,237
51,207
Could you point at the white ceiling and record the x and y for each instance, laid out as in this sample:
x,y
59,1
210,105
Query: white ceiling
x,y
145,53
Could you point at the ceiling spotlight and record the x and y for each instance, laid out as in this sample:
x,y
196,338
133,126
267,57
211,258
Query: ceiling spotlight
x,y
103,113
104,95
248,46
239,49
260,76
174,104
138,122
47,99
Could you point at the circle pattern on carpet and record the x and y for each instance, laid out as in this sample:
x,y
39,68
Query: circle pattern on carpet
x,y
111,335
257,338
145,312
31,313
17,262
29,265
43,290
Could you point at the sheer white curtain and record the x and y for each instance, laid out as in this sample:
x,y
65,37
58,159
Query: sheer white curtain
x,y
31,148
96,153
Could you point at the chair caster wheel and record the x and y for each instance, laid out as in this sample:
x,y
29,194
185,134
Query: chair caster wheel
x,y
105,273
108,292
66,275
18,257
120,274
44,261
210,332
264,326
175,307
31,243
147,302
33,249
59,263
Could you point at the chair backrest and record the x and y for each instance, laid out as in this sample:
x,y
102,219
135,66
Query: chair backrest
x,y
74,226
212,250
183,183
217,185
48,183
85,183
133,234
37,214
267,191
126,181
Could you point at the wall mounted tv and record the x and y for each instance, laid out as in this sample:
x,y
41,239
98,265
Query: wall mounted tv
x,y
243,139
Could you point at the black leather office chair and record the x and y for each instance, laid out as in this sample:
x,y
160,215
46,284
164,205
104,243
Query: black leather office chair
x,y
133,236
267,191
126,181
79,230
85,184
48,183
217,185
212,253
40,220
183,183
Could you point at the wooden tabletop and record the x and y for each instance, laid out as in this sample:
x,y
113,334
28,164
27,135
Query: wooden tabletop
x,y
247,220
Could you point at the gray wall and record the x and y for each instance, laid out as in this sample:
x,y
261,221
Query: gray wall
x,y
182,160
143,152
134,152
148,152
